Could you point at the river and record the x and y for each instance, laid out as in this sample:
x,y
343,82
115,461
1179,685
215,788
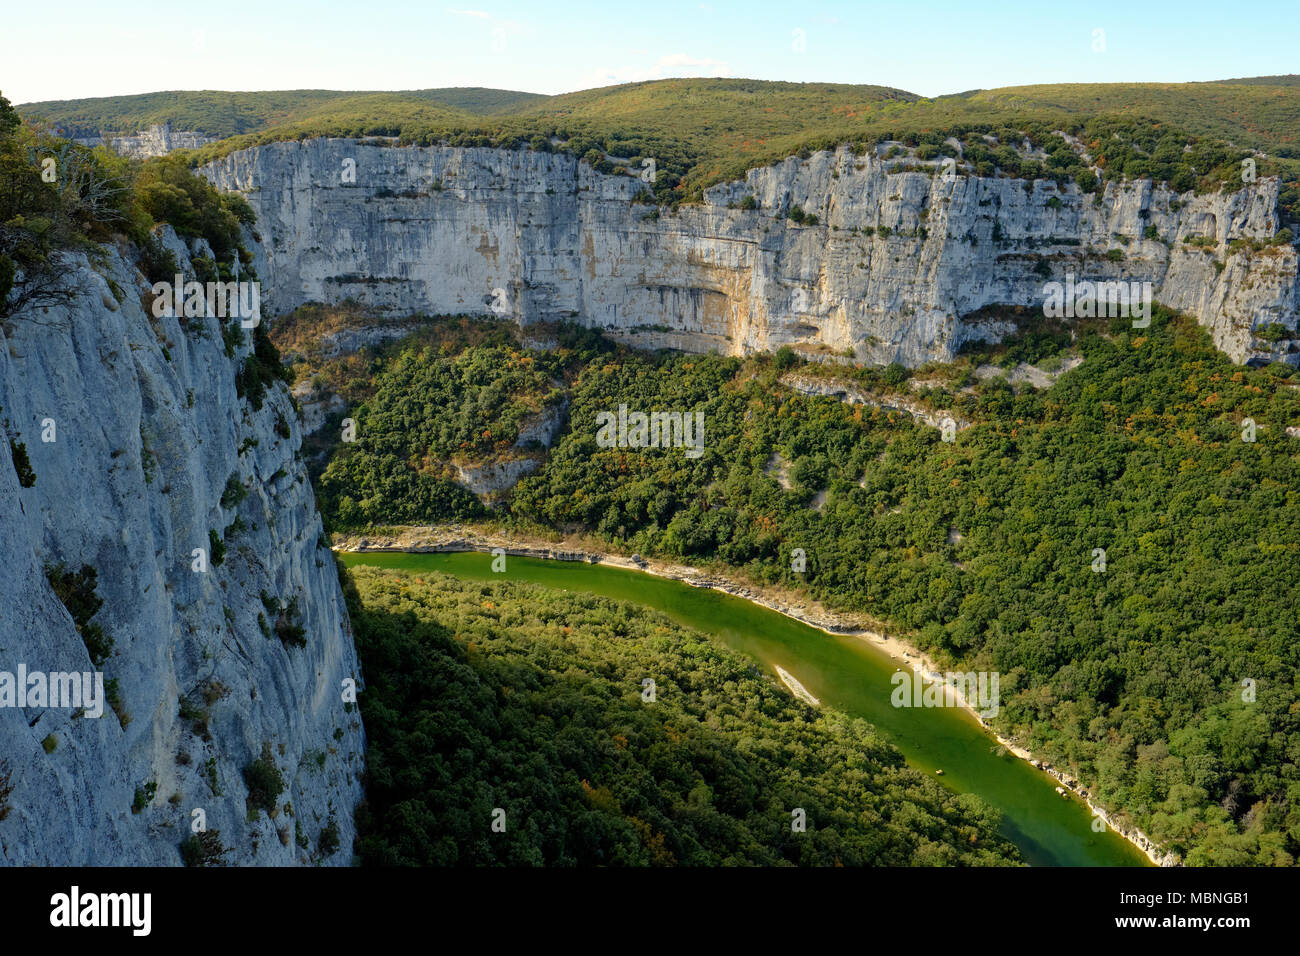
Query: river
x,y
843,672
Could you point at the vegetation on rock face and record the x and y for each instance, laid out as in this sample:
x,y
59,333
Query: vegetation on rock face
x,y
144,796
53,195
521,699
328,842
57,196
6,788
704,131
983,550
260,369
22,463
76,591
286,624
264,781
234,492
168,192
203,849
216,548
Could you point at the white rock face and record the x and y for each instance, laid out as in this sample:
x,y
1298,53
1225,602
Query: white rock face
x,y
148,429
490,480
843,391
893,268
157,140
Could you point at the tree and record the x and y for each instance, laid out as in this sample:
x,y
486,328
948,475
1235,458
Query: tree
x,y
9,118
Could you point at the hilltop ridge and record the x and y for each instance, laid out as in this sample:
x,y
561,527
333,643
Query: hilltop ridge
x,y
705,131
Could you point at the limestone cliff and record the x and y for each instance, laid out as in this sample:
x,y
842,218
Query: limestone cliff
x,y
894,268
157,140
145,431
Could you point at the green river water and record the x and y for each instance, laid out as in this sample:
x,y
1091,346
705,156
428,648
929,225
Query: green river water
x,y
847,673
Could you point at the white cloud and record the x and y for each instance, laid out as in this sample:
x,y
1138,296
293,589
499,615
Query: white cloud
x,y
499,29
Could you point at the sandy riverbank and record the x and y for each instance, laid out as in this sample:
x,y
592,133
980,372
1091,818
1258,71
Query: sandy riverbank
x,y
417,539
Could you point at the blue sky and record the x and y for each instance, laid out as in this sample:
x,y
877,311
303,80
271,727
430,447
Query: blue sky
x,y
79,48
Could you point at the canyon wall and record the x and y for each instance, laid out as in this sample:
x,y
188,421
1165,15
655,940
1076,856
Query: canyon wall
x,y
134,429
156,140
894,269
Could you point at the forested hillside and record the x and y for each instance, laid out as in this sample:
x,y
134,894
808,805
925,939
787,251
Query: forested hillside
x,y
1164,675
220,113
522,699
465,409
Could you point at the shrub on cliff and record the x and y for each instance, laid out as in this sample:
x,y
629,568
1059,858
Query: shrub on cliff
x,y
22,463
6,788
203,849
260,370
265,783
167,190
77,592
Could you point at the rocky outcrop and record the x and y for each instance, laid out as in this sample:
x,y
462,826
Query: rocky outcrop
x,y
490,480
806,384
144,459
895,268
157,140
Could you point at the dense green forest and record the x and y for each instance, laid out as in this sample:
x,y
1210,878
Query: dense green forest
x,y
984,550
703,131
430,411
520,698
